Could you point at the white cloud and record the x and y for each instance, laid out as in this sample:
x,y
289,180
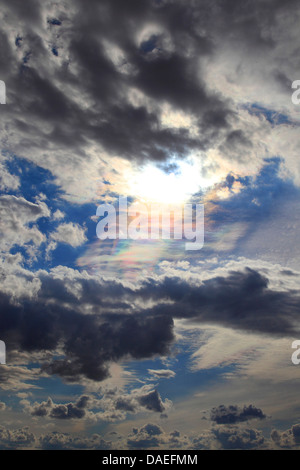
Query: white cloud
x,y
69,233
16,213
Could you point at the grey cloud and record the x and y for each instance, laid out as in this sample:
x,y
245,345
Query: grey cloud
x,y
40,87
233,414
238,438
61,411
151,429
42,409
152,401
111,405
162,373
153,436
60,441
15,439
138,401
90,342
241,300
56,315
23,438
145,437
287,439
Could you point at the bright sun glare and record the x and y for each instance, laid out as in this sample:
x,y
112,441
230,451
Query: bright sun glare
x,y
152,184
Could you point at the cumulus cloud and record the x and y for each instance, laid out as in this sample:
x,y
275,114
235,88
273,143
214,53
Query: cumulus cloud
x,y
153,436
61,441
16,215
287,439
58,215
233,414
69,233
16,439
108,405
60,411
238,438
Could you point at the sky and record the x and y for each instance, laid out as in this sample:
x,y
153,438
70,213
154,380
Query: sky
x,y
122,343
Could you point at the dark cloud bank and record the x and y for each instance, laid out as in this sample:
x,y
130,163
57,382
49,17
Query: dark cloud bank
x,y
45,75
116,330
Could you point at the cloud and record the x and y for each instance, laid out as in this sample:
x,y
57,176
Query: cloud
x,y
82,335
238,438
15,439
153,436
162,373
116,403
69,233
243,301
16,215
109,405
18,377
95,94
58,215
60,441
152,401
60,411
238,299
233,414
287,439
7,180
137,63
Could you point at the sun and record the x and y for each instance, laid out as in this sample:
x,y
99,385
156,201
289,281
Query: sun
x,y
152,184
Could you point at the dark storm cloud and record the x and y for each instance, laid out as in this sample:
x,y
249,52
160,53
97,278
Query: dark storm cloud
x,y
90,342
242,300
91,346
164,66
55,316
233,414
31,11
112,121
